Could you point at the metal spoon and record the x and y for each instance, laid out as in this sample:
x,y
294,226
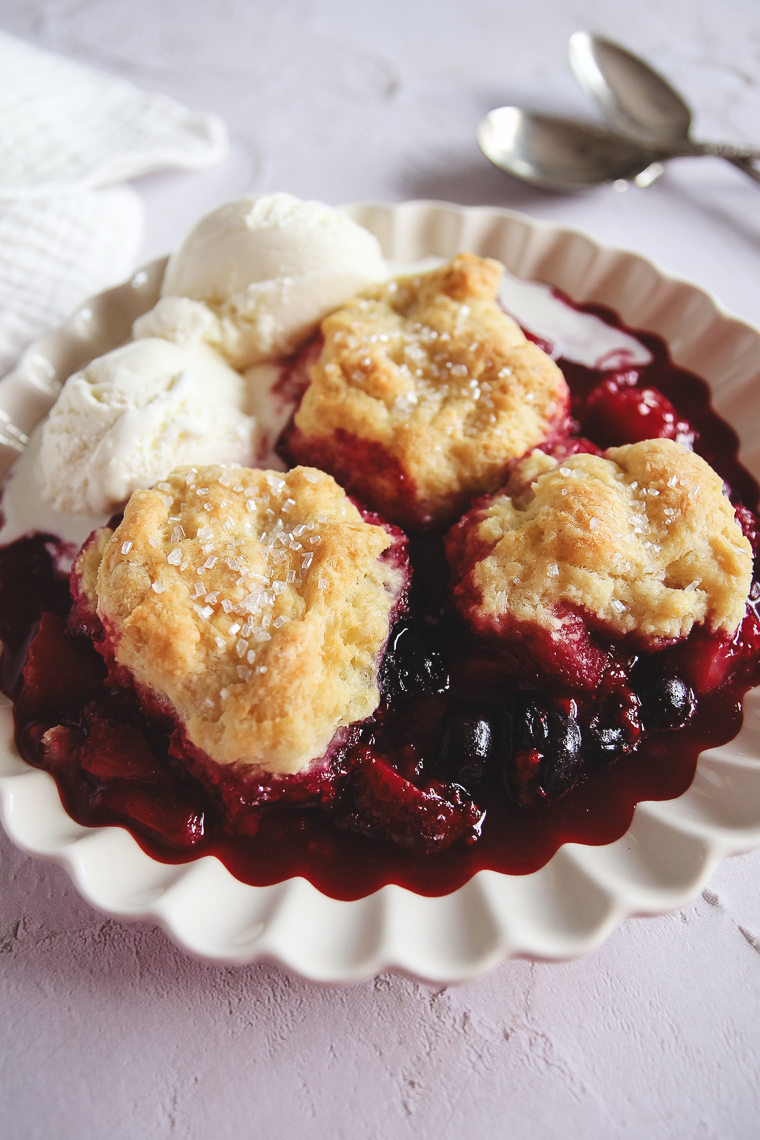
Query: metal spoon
x,y
640,103
561,154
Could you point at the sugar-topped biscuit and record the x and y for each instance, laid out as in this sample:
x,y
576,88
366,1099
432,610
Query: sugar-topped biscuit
x,y
253,606
424,391
640,543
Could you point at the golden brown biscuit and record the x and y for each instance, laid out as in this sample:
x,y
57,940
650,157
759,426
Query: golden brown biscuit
x,y
641,542
254,606
424,391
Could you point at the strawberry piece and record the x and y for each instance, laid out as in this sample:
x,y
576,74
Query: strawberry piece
x,y
110,767
176,824
62,673
705,662
116,752
386,806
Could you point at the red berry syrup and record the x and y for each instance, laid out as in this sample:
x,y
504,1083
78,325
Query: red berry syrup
x,y
421,796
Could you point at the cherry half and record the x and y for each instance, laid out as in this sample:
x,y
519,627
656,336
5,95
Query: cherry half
x,y
617,412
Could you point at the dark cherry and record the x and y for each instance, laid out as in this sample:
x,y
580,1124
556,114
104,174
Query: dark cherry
x,y
618,413
415,663
544,759
467,746
667,703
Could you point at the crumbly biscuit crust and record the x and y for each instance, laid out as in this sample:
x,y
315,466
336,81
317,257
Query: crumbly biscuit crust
x,y
642,541
256,603
431,369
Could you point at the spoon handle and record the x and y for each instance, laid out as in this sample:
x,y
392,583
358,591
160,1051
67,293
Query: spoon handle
x,y
720,150
745,164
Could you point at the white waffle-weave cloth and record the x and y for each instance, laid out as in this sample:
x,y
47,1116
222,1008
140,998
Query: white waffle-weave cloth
x,y
67,134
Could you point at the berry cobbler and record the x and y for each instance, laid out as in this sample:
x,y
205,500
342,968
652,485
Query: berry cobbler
x,y
493,602
423,392
252,608
635,547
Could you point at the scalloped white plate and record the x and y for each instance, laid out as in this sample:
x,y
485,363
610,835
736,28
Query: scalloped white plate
x,y
573,903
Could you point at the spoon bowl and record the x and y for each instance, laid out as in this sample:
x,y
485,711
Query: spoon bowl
x,y
560,154
636,100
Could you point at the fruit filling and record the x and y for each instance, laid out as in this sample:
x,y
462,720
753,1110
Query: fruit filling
x,y
469,736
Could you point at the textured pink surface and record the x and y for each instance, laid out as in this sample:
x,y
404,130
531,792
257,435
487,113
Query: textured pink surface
x,y
105,1029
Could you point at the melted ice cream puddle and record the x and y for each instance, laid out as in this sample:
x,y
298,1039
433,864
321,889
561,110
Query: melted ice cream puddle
x,y
580,337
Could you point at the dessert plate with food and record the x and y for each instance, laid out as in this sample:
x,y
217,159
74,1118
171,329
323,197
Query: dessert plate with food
x,y
377,590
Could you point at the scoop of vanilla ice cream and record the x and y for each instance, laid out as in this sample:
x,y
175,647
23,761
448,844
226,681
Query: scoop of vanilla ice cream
x,y
131,416
255,277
